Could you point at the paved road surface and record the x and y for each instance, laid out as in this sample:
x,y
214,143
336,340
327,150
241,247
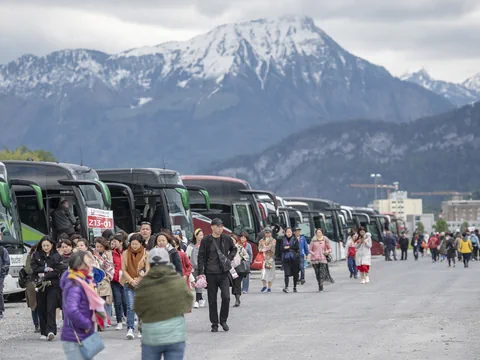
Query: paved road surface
x,y
410,310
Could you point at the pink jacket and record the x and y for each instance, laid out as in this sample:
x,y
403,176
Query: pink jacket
x,y
318,248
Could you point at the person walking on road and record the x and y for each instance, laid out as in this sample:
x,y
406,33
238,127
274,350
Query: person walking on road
x,y
47,266
351,252
4,269
403,242
267,246
79,299
452,246
237,282
192,252
216,253
118,292
475,242
164,240
465,248
290,259
364,254
104,261
442,247
319,250
391,243
30,293
184,261
302,242
161,300
134,267
249,250
416,246
433,245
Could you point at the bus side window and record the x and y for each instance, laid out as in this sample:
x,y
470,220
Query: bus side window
x,y
34,219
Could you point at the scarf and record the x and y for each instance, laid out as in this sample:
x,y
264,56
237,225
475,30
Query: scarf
x,y
95,302
135,260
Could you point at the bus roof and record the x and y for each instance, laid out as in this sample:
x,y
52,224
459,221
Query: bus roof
x,y
65,166
306,199
214,178
154,171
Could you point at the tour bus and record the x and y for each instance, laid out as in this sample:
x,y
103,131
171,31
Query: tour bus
x,y
89,199
392,223
371,221
154,195
231,200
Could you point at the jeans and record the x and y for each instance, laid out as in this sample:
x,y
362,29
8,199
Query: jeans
x,y
302,267
119,301
433,252
35,318
130,295
415,253
108,308
352,266
246,283
215,282
169,352
2,305
72,351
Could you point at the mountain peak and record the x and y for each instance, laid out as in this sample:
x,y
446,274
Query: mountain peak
x,y
473,83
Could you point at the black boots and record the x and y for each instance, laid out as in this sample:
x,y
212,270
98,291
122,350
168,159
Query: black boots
x,y
237,301
320,287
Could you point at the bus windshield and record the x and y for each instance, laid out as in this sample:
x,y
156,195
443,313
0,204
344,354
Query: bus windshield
x,y
179,217
243,220
393,227
93,197
7,226
372,228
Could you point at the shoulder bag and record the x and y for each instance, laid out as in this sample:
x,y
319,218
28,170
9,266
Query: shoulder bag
x,y
329,255
91,346
225,263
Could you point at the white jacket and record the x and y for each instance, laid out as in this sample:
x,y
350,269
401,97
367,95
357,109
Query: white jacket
x,y
364,253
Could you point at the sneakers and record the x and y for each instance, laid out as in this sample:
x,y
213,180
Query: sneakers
x,y
139,335
201,303
196,305
269,291
225,327
351,275
119,326
130,334
367,279
244,292
285,290
214,328
263,289
363,281
51,336
1,315
43,337
302,282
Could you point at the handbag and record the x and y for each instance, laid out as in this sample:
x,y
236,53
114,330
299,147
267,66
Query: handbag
x,y
244,268
225,263
329,255
258,262
90,346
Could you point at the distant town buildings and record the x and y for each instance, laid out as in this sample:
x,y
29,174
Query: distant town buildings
x,y
428,220
399,204
456,212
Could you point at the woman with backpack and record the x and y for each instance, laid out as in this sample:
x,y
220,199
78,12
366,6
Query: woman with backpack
x,y
320,249
192,253
465,248
290,250
47,268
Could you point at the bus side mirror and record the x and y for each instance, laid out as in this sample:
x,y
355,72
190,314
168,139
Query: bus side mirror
x,y
206,195
5,195
38,194
185,197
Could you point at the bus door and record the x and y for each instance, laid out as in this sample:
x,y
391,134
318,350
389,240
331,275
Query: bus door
x,y
123,206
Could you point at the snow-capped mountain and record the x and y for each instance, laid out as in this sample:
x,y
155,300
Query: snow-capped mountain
x,y
473,83
322,161
240,80
458,94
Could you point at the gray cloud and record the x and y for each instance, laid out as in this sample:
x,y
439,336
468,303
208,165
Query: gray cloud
x,y
419,31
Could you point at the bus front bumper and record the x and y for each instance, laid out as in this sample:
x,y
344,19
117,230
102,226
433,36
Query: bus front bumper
x,y
10,285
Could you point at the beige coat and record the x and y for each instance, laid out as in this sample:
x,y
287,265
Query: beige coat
x,y
364,253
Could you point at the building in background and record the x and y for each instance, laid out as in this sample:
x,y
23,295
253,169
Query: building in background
x,y
428,220
456,212
399,204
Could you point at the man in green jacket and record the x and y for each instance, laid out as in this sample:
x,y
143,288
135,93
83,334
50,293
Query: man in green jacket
x,y
161,300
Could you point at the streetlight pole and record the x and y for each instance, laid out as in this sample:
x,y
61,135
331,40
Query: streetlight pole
x,y
375,178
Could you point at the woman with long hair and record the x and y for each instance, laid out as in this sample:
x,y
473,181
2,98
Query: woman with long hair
x,y
363,257
83,308
452,245
184,260
248,248
104,261
119,299
163,240
30,293
134,268
237,282
290,250
192,253
319,249
465,248
47,267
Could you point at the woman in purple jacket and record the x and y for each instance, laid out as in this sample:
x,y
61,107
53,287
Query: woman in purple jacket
x,y
78,318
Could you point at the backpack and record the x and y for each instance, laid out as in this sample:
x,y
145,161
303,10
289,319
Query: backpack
x,y
22,278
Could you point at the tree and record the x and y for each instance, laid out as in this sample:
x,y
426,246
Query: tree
x,y
464,227
420,227
24,153
441,226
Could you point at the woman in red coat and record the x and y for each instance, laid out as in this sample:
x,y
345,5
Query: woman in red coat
x,y
119,299
186,264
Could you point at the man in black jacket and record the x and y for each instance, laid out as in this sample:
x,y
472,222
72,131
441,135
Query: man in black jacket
x,y
63,220
214,257
403,242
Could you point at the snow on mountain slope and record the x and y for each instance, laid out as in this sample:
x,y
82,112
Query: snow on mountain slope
x,y
458,94
473,83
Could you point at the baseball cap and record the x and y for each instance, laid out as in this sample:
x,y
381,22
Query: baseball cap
x,y
158,256
217,222
267,230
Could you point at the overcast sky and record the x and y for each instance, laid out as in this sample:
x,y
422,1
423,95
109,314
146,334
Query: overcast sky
x,y
441,35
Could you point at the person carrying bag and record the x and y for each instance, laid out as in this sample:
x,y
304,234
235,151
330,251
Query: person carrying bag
x,y
83,310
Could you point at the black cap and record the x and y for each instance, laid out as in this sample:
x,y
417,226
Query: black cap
x,y
217,222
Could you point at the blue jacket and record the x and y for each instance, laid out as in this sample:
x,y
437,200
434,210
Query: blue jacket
x,y
390,241
303,246
474,239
